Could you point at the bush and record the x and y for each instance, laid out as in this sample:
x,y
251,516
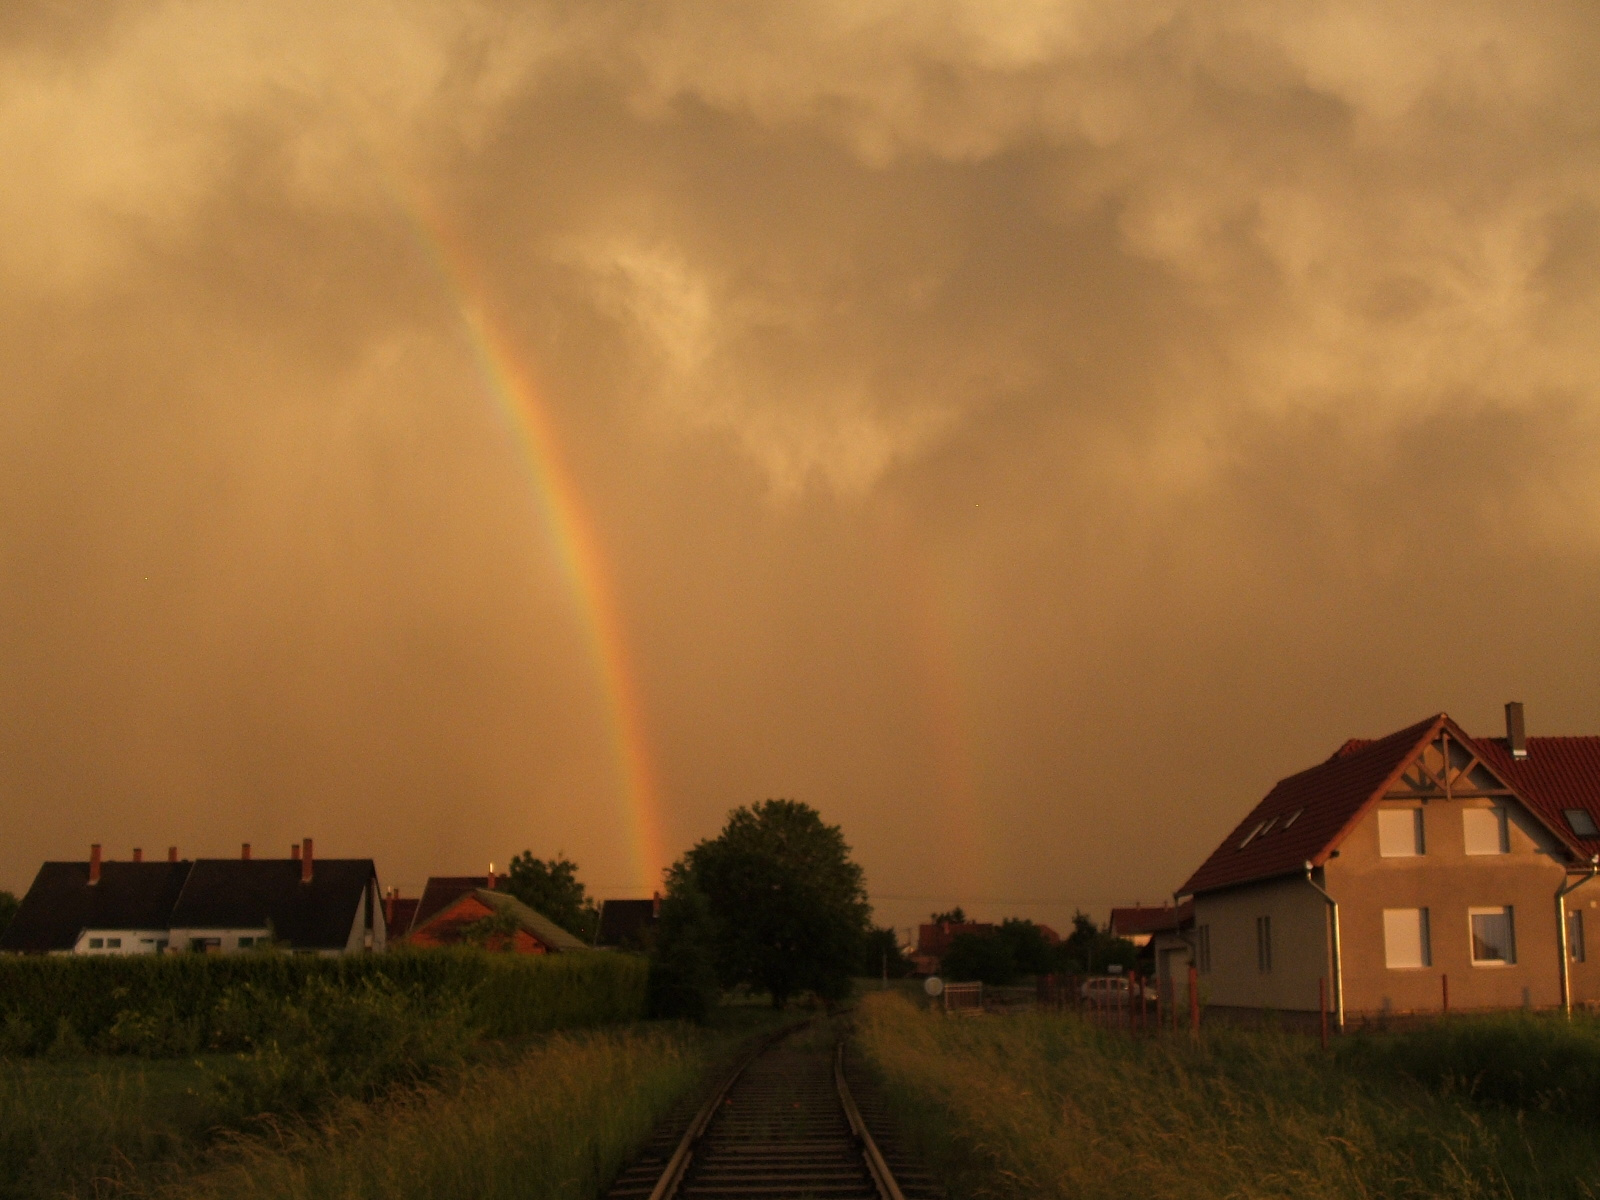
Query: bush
x,y
1521,1060
179,1004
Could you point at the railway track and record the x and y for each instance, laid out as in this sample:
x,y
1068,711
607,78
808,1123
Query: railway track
x,y
786,1123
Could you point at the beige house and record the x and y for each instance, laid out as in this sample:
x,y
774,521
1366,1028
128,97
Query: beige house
x,y
1424,870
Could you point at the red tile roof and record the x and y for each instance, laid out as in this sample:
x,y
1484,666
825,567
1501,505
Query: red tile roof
x,y
1310,812
1307,815
1559,773
1148,919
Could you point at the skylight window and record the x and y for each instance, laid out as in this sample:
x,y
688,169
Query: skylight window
x,y
1292,817
1254,834
1582,822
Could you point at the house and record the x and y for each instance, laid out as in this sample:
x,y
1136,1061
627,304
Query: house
x,y
628,924
496,919
398,914
1163,934
209,905
1418,871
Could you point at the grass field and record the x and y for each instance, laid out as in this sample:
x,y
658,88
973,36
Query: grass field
x,y
1049,1106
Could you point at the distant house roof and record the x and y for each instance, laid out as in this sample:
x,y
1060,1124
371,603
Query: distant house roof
x,y
232,893
541,927
1125,922
61,904
1305,816
441,892
627,922
934,939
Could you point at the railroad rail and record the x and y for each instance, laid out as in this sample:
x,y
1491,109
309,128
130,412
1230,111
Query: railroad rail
x,y
784,1123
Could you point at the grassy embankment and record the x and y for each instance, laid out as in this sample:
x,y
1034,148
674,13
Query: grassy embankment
x,y
454,1083
1050,1106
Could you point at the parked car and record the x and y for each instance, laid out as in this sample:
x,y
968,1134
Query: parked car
x,y
1113,990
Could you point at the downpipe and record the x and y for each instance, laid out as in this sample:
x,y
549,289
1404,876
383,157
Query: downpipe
x,y
1562,893
1338,956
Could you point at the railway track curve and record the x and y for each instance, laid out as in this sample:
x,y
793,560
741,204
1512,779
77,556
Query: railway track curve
x,y
785,1123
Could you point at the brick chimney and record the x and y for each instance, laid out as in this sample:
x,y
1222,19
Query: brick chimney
x,y
244,851
94,863
172,854
388,909
1516,734
655,906
305,861
489,882
138,854
294,852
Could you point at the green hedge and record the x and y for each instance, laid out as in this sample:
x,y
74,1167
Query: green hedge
x,y
184,1002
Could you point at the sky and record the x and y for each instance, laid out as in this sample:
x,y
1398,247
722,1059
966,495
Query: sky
x,y
1022,431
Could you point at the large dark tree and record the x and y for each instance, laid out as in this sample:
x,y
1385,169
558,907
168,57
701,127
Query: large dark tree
x,y
881,953
789,909
8,909
552,889
683,959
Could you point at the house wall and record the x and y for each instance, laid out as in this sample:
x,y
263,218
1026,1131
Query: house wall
x,y
1447,882
181,940
131,941
1586,974
1299,945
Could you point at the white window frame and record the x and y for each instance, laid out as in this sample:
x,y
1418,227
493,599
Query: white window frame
x,y
1509,913
1576,951
1409,921
1499,813
1400,838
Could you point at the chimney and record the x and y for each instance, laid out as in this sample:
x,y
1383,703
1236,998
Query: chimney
x,y
305,861
489,883
94,863
655,906
294,852
172,854
388,910
138,854
1516,734
244,852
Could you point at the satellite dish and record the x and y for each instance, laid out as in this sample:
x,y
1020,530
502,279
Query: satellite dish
x,y
933,985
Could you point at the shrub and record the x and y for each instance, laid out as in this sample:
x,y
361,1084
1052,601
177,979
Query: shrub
x,y
179,1004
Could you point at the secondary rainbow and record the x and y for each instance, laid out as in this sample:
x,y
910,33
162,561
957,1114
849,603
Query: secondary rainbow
x,y
514,393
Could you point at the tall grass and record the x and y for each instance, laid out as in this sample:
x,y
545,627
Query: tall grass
x,y
1050,1106
559,1122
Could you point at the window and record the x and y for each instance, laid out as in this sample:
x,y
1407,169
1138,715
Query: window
x,y
1575,949
97,943
1399,832
1485,830
1292,817
1202,948
113,943
246,942
1253,834
1582,822
1494,940
1405,938
1263,944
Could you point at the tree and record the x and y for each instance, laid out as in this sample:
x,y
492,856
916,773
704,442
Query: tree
x,y
789,909
954,917
8,909
552,889
1089,950
985,957
683,960
880,951
1029,951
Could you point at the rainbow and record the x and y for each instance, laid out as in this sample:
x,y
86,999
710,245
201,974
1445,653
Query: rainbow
x,y
511,387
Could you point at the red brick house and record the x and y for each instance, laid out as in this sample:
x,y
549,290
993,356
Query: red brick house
x,y
496,919
1418,869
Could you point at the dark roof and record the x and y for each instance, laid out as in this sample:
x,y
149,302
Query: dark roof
x,y
1143,919
1560,773
443,891
235,893
1323,802
626,922
61,904
536,923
